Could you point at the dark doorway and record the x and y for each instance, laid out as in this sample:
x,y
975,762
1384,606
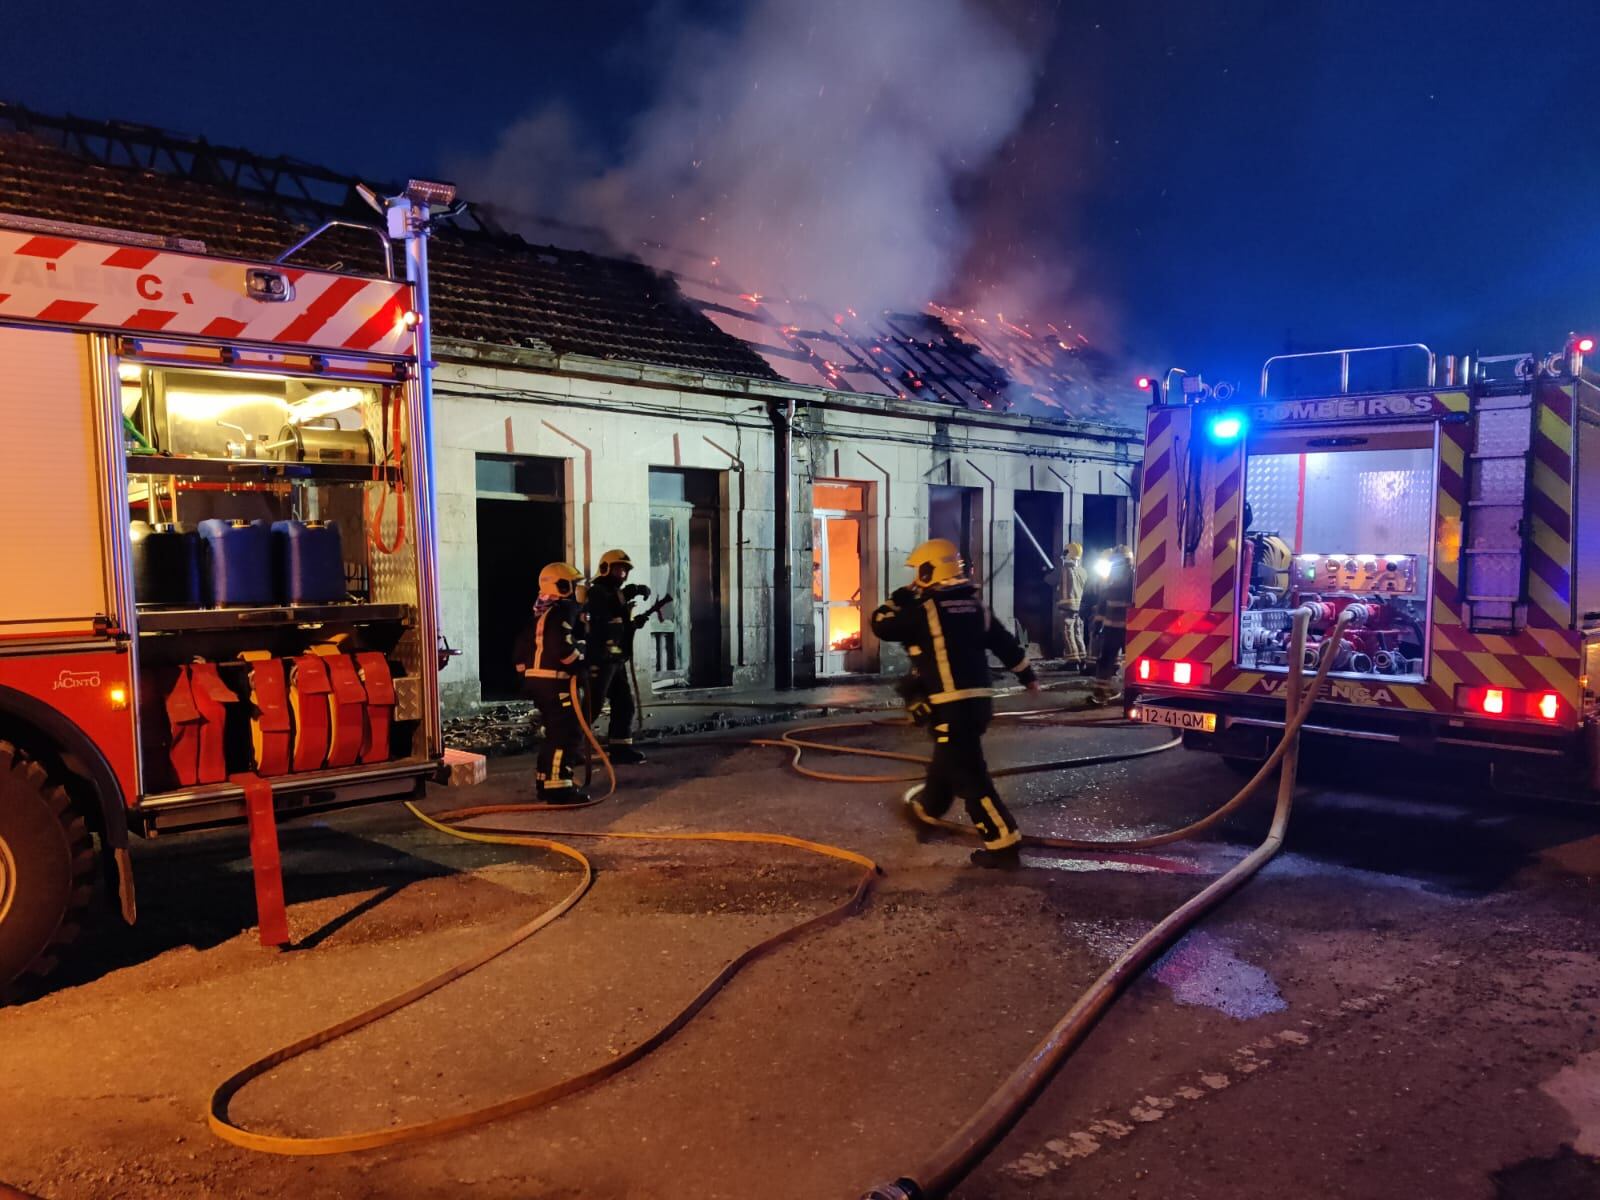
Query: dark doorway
x,y
687,642
956,514
522,525
1036,564
1105,518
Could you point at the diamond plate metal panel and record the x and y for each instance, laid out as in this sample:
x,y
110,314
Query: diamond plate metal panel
x,y
1496,576
1496,528
1503,480
1356,502
1369,502
1503,430
1272,487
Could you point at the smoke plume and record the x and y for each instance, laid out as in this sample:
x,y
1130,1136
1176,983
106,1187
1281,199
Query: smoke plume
x,y
814,152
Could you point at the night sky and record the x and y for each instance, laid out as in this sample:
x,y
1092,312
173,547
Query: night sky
x,y
1209,181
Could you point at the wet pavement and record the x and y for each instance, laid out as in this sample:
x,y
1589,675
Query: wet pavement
x,y
1406,1003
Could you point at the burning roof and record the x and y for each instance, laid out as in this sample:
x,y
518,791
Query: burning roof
x,y
943,355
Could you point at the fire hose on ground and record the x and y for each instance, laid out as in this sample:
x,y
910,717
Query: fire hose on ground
x,y
952,1161
217,1110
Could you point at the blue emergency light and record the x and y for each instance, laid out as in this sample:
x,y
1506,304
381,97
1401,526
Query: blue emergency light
x,y
1226,427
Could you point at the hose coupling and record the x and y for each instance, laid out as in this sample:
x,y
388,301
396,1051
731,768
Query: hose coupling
x,y
900,1189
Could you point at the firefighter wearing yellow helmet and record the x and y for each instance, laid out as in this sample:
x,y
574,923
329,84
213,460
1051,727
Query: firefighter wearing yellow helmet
x,y
547,656
948,633
612,623
1073,579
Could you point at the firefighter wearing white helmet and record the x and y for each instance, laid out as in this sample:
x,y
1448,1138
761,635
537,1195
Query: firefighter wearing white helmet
x,y
949,633
548,656
612,624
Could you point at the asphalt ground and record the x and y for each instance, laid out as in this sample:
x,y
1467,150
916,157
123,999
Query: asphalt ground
x,y
1405,1004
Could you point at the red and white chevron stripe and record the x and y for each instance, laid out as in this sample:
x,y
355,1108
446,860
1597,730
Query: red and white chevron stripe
x,y
71,281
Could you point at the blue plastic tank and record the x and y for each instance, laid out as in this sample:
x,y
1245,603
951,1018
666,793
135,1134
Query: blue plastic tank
x,y
309,562
166,565
236,567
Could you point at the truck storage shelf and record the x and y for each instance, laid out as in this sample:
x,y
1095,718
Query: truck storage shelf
x,y
257,470
189,620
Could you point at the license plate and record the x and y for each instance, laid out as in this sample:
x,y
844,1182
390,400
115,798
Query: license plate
x,y
1178,718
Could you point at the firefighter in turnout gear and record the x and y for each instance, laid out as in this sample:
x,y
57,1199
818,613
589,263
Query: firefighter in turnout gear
x,y
548,657
612,624
1073,578
1111,615
948,632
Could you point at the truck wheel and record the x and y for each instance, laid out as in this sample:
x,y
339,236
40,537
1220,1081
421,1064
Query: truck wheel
x,y
46,867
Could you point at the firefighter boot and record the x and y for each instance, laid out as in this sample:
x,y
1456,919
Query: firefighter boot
x,y
622,754
914,815
1006,859
571,794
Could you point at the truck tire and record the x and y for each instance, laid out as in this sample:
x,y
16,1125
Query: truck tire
x,y
46,867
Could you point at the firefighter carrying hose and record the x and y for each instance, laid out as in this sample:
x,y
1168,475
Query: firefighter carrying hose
x,y
547,658
948,632
1111,617
1073,577
611,628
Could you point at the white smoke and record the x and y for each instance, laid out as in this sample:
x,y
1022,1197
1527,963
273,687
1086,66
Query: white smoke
x,y
812,153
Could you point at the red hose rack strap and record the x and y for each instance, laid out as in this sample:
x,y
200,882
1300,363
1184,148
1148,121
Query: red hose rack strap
x,y
309,692
267,867
184,720
349,701
379,682
269,718
211,697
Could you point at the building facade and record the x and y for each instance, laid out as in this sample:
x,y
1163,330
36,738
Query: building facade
x,y
542,456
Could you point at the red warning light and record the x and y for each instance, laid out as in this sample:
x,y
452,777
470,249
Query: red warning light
x,y
1494,701
1144,668
1549,705
1143,382
1585,345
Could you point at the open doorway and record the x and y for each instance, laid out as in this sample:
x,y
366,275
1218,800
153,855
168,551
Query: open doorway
x,y
956,514
1036,566
687,642
522,525
1105,521
838,575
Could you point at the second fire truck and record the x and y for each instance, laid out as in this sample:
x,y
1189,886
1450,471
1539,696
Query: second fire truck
x,y
1451,508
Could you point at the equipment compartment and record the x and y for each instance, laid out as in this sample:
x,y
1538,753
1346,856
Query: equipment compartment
x,y
1339,523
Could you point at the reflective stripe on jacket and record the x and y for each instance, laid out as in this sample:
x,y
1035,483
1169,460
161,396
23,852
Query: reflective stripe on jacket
x,y
949,635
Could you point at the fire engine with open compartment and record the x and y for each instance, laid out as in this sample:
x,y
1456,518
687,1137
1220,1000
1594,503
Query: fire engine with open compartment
x,y
219,593
1452,508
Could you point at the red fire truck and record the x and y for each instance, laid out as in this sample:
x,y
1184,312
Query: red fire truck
x,y
1452,508
219,596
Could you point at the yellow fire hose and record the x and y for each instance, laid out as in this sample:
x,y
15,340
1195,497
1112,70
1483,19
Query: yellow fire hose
x,y
217,1110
